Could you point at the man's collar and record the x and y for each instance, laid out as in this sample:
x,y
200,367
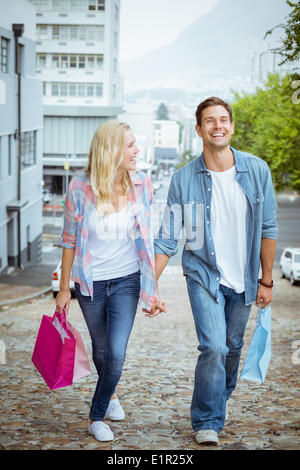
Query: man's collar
x,y
239,159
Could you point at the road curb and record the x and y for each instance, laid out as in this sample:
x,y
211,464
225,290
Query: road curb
x,y
26,298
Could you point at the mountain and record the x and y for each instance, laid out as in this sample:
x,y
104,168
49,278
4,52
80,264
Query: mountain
x,y
218,44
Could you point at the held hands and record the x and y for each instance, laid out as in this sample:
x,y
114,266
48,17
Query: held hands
x,y
63,300
157,307
264,296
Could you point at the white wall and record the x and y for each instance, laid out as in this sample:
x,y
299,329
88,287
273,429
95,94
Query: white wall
x,y
18,11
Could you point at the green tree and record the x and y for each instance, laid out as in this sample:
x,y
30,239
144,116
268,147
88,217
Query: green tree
x,y
290,48
267,124
162,112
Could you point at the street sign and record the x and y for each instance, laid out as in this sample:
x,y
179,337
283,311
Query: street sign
x,y
67,166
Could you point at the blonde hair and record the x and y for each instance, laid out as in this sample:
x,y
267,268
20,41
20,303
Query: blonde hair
x,y
107,143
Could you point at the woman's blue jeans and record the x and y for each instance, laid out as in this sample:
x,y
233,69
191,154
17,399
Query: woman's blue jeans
x,y
220,328
109,318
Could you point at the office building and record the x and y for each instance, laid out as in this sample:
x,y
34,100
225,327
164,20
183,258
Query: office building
x,y
21,122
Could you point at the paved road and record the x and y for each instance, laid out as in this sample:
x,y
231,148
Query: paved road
x,y
156,385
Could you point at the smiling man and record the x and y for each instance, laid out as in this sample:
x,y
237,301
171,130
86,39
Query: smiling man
x,y
239,231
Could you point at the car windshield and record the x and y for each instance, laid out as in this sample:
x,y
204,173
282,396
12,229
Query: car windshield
x,y
297,258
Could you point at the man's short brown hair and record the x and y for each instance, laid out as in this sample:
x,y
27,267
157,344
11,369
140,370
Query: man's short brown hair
x,y
212,101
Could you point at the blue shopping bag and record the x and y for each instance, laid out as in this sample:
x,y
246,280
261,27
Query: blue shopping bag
x,y
259,353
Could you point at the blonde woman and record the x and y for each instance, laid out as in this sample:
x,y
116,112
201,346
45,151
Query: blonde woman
x,y
108,246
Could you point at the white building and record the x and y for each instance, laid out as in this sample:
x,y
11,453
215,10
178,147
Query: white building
x,y
140,117
265,60
166,134
21,138
78,62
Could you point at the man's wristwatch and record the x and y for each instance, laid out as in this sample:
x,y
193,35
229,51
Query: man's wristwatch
x,y
265,284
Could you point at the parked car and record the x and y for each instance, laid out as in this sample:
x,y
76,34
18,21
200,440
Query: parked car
x,y
56,279
47,196
289,264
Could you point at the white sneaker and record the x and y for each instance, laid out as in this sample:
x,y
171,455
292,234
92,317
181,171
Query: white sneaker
x,y
115,411
101,431
206,436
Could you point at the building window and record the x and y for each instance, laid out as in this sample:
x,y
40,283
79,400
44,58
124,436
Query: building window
x,y
99,90
99,59
116,39
41,31
72,88
65,5
77,89
116,12
66,32
54,89
82,33
28,151
74,61
74,33
81,62
40,4
4,55
55,61
40,61
74,4
64,62
97,5
115,65
81,88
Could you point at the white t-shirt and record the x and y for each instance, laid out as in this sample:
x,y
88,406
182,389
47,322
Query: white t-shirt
x,y
113,252
229,228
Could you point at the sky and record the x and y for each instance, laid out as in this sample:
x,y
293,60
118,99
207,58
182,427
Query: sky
x,y
149,24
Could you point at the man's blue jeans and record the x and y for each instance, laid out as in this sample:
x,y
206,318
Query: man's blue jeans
x,y
220,328
109,318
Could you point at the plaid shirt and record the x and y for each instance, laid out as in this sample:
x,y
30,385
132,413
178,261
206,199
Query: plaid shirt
x,y
79,203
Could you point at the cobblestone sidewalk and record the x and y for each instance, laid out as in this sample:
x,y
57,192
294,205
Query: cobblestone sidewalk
x,y
156,385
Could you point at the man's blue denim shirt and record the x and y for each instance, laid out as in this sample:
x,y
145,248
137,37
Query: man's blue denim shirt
x,y
191,192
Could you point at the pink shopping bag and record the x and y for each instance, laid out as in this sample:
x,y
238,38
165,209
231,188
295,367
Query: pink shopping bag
x,y
54,351
82,363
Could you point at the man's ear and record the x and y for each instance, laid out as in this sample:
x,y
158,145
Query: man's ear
x,y
198,130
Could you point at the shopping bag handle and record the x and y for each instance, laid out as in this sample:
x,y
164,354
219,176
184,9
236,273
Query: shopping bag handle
x,y
63,317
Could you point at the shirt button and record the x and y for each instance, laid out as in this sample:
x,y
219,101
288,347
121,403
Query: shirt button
x,y
212,253
208,174
218,278
207,207
208,189
207,221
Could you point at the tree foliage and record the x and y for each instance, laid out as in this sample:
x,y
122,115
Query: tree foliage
x,y
267,124
290,49
162,112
